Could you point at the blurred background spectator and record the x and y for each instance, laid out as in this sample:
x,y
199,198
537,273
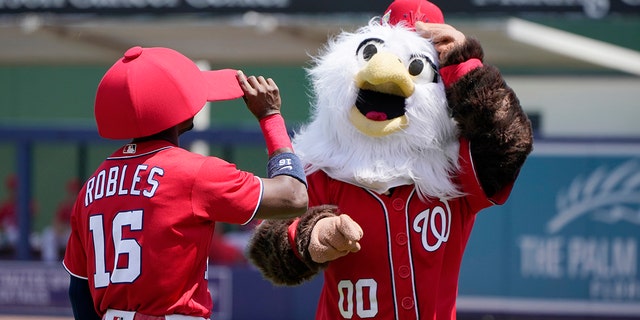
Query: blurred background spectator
x,y
9,228
229,243
9,218
54,237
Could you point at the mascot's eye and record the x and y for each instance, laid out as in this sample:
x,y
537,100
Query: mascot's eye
x,y
416,66
419,63
368,51
368,48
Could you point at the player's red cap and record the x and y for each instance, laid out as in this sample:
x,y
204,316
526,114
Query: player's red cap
x,y
152,89
410,11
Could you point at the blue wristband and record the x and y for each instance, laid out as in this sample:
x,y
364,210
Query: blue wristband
x,y
288,164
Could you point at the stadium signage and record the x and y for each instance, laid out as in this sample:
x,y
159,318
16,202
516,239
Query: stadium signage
x,y
609,263
589,8
607,197
238,3
71,5
570,232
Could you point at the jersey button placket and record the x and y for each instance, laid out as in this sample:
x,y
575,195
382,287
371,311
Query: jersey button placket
x,y
407,303
404,271
398,204
401,238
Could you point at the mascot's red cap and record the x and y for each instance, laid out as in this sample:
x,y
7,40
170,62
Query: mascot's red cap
x,y
410,11
153,89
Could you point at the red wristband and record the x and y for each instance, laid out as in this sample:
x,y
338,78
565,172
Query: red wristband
x,y
291,234
451,74
275,133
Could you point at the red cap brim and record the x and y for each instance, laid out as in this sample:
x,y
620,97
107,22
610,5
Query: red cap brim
x,y
223,85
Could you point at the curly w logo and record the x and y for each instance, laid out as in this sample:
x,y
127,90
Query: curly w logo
x,y
610,196
434,225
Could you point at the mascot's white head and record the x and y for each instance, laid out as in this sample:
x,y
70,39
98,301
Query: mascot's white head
x,y
379,116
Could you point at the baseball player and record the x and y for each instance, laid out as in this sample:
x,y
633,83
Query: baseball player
x,y
143,222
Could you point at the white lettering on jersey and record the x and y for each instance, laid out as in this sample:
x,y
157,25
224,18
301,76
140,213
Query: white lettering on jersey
x,y
100,179
88,196
112,181
152,182
121,189
136,179
435,222
103,185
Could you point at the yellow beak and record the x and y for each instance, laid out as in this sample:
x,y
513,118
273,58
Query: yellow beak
x,y
386,73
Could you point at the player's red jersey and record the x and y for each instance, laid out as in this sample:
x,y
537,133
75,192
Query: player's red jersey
x,y
411,249
143,223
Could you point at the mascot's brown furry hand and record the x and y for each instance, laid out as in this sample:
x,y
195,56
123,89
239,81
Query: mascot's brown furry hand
x,y
409,140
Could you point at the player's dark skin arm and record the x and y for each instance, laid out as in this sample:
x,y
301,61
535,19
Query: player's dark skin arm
x,y
283,196
81,301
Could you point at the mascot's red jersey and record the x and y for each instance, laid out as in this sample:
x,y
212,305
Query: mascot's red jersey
x,y
134,200
411,253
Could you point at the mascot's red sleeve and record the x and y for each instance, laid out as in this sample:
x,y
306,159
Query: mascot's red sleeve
x,y
489,117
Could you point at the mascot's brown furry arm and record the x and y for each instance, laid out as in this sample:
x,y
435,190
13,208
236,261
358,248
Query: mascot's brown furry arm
x,y
488,115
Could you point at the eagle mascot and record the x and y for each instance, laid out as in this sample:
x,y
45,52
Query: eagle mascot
x,y
411,135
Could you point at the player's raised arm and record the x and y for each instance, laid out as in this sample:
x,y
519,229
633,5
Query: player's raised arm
x,y
285,189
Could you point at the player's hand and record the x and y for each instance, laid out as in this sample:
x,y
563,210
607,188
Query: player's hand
x,y
261,95
334,237
444,36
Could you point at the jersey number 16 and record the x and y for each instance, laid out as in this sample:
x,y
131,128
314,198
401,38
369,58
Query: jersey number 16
x,y
129,247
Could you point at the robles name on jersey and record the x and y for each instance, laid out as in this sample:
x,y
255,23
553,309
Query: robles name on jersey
x,y
114,181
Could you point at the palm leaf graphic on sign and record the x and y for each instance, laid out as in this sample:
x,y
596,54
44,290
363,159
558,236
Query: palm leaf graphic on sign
x,y
610,196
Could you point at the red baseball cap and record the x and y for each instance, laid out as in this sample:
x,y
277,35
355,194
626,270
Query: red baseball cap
x,y
410,11
150,90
